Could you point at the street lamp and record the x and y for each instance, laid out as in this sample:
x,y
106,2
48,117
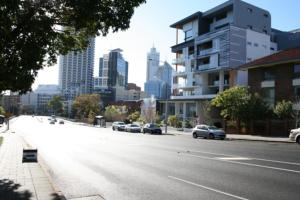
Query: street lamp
x,y
166,93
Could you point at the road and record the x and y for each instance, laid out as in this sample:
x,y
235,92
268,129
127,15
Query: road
x,y
87,161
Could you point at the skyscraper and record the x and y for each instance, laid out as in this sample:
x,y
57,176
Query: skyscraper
x,y
152,64
113,69
76,72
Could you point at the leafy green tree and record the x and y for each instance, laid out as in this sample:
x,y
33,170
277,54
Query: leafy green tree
x,y
134,116
85,105
115,113
238,104
173,120
232,102
2,111
56,105
31,33
284,109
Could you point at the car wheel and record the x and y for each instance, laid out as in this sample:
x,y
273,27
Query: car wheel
x,y
211,136
113,128
144,132
195,135
298,140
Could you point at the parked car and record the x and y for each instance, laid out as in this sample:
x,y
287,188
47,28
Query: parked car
x,y
52,122
207,131
61,122
295,135
152,128
133,128
120,126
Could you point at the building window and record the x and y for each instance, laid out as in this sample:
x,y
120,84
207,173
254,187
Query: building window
x,y
266,15
250,10
255,44
249,43
297,91
221,16
188,34
268,75
265,31
250,27
269,95
297,71
272,49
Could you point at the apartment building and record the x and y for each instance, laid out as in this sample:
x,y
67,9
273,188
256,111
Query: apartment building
x,y
214,44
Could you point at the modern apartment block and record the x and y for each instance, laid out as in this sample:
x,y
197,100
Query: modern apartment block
x,y
214,43
76,72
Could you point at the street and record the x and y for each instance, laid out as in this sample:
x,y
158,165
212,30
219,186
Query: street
x,y
87,161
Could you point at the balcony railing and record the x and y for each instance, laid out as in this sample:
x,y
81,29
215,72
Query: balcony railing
x,y
178,61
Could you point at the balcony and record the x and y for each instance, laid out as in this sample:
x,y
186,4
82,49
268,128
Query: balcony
x,y
205,52
180,73
203,67
178,61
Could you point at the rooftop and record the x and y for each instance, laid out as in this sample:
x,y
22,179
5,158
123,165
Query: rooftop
x,y
281,57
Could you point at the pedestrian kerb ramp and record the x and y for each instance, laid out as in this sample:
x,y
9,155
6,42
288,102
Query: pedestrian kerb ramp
x,y
29,155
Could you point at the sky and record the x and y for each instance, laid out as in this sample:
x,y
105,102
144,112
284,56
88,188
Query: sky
x,y
150,26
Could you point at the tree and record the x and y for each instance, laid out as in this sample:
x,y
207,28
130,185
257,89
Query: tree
x,y
56,105
2,111
284,109
115,113
238,104
31,33
86,105
134,116
173,120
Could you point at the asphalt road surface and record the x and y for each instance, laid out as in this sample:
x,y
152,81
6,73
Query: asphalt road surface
x,y
86,161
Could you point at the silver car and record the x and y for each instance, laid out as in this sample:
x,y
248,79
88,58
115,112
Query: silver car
x,y
133,128
207,131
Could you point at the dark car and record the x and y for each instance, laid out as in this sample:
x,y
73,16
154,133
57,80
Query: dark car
x,y
207,131
152,129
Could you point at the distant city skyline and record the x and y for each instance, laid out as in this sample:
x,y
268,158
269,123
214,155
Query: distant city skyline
x,y
150,27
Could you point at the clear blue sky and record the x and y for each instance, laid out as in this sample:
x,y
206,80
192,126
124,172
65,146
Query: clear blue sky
x,y
150,26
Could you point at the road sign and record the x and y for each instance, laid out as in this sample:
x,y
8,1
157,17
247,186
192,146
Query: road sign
x,y
29,155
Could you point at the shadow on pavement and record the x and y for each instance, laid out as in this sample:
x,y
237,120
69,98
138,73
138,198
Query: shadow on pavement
x,y
57,197
9,190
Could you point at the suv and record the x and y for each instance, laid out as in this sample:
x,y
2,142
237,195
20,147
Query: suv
x,y
210,132
295,135
120,126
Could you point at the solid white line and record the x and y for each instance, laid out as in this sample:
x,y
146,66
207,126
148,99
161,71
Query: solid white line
x,y
229,155
241,163
207,188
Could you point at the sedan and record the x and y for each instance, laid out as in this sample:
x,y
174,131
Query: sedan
x,y
152,128
207,131
295,135
133,128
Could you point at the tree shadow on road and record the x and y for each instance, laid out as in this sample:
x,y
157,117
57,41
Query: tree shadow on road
x,y
9,190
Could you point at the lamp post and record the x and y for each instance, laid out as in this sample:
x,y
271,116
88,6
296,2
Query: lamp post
x,y
166,94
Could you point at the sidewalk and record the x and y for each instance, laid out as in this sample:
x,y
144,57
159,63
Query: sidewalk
x,y
236,136
21,181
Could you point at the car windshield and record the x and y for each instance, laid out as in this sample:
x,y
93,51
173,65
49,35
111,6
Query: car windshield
x,y
121,123
134,125
153,126
212,128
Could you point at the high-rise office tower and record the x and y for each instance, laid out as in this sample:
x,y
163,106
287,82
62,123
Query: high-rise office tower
x,y
76,72
152,64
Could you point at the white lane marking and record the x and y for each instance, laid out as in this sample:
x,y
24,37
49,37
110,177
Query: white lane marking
x,y
207,188
233,158
261,159
241,163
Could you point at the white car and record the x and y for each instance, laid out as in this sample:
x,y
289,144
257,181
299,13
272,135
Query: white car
x,y
133,128
295,135
120,126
